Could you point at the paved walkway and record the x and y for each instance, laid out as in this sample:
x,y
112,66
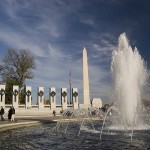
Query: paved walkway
x,y
21,121
28,120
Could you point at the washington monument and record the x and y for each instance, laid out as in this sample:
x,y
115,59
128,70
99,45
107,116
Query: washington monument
x,y
86,93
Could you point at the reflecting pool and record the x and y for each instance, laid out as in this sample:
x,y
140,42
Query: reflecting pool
x,y
45,137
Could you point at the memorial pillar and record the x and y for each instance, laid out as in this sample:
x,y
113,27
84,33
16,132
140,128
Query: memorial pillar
x,y
2,95
40,97
75,98
52,94
28,97
15,96
64,98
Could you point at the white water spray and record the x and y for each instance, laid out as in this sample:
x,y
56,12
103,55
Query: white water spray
x,y
129,74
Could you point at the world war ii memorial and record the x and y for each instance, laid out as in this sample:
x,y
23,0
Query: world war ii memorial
x,y
29,108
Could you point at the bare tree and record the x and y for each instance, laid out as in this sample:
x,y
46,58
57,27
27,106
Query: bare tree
x,y
17,65
16,68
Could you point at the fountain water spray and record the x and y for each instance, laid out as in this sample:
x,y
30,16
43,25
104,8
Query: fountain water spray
x,y
129,75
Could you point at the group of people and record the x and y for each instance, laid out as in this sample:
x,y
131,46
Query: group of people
x,y
11,113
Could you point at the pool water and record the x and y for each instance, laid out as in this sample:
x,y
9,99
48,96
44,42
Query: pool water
x,y
43,137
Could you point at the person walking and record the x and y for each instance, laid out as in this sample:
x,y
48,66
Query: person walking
x,y
13,114
2,113
54,113
9,114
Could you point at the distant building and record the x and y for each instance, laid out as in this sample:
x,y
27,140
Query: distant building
x,y
97,102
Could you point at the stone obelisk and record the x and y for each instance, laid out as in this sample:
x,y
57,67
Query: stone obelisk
x,y
86,93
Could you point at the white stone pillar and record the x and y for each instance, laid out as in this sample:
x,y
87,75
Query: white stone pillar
x,y
64,98
75,98
41,97
2,95
15,96
28,97
52,95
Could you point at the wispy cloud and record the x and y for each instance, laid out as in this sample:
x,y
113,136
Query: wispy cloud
x,y
19,41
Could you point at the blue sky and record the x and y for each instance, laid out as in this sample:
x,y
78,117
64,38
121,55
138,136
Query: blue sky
x,y
56,31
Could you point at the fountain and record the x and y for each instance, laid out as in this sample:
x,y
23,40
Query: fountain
x,y
129,74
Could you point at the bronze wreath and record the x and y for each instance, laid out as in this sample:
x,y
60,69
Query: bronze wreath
x,y
15,93
2,92
41,93
28,93
64,94
75,94
52,93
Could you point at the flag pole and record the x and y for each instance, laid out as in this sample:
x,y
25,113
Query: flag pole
x,y
70,86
